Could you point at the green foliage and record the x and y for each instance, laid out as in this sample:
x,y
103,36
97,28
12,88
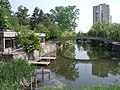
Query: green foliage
x,y
114,31
13,72
36,18
22,15
81,34
40,22
5,4
54,31
106,30
29,40
112,87
14,23
4,19
99,29
66,17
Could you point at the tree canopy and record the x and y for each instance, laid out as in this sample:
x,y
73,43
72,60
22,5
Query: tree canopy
x,y
29,40
106,30
22,15
5,4
65,17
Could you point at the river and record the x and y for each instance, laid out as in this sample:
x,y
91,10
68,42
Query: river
x,y
83,65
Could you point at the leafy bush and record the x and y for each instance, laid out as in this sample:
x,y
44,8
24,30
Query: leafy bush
x,y
11,73
29,40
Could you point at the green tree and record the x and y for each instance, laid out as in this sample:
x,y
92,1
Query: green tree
x,y
5,4
99,29
14,23
106,30
114,31
29,40
22,15
40,28
36,18
40,21
65,17
54,31
4,18
80,34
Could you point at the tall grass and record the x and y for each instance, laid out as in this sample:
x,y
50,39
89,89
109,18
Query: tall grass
x,y
115,86
14,72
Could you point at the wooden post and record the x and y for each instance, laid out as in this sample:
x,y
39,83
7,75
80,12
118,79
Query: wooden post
x,y
43,75
31,82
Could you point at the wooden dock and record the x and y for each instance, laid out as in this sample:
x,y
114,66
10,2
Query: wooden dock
x,y
47,58
39,63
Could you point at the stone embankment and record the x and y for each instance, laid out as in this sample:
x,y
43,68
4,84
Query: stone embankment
x,y
115,46
49,49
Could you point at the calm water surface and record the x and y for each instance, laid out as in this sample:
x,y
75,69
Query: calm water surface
x,y
83,65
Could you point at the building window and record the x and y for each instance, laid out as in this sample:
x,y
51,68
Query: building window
x,y
8,43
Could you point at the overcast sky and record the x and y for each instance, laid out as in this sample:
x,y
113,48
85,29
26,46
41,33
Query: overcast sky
x,y
85,6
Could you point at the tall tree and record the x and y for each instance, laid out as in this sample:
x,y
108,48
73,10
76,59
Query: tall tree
x,y
36,18
106,30
54,31
5,14
4,18
22,15
66,17
5,4
99,29
40,21
14,23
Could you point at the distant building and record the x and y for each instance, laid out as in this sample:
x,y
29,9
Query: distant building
x,y
101,12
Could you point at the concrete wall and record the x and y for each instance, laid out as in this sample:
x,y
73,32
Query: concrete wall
x,y
48,48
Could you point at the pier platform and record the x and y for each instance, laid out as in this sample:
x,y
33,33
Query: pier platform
x,y
47,58
39,63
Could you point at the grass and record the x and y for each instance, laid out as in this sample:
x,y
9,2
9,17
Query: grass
x,y
113,87
14,72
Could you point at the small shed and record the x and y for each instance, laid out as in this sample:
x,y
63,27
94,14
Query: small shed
x,y
7,39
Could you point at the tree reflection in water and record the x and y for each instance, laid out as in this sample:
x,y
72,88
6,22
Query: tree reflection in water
x,y
99,64
66,68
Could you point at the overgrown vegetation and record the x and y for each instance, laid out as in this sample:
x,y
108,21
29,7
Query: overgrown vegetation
x,y
112,87
29,40
13,73
106,30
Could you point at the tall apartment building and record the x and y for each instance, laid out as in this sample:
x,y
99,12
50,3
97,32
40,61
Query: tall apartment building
x,y
101,12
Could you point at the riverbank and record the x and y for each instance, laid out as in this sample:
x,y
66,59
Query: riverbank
x,y
113,87
115,46
47,49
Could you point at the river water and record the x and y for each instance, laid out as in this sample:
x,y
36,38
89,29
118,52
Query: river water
x,y
83,65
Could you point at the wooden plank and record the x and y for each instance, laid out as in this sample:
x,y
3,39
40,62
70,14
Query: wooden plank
x,y
50,58
39,63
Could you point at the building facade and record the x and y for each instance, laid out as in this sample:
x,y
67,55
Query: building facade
x,y
8,40
101,12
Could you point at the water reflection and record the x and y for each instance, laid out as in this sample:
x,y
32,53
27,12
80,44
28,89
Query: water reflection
x,y
83,65
66,68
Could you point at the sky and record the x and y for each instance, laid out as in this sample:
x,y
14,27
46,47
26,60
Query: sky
x,y
86,9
